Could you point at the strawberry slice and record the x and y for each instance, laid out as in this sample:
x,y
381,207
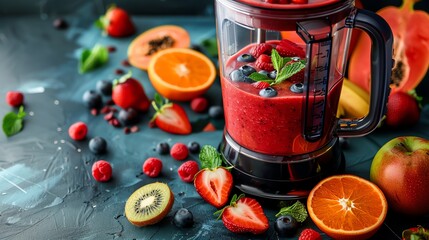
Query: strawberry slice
x,y
170,117
288,48
244,215
116,23
213,182
260,85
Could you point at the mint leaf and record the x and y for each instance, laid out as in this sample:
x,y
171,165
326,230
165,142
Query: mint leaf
x,y
91,59
210,44
258,77
13,123
288,71
296,210
210,158
277,60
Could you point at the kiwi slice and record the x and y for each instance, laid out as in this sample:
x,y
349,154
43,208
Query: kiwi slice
x,y
149,204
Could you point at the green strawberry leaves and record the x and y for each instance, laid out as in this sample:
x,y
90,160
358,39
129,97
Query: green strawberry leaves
x,y
93,58
13,122
286,67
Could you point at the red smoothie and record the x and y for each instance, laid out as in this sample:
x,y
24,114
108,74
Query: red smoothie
x,y
272,125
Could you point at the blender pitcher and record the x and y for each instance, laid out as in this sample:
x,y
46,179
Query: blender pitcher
x,y
282,68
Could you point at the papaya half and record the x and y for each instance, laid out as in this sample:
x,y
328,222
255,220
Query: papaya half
x,y
144,46
410,49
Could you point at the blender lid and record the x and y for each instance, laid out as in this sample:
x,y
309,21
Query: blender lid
x,y
310,4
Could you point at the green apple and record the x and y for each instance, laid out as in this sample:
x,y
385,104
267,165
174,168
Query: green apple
x,y
401,170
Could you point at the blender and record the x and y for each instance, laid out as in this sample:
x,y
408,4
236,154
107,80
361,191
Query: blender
x,y
282,67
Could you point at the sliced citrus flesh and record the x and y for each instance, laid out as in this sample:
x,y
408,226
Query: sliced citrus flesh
x,y
181,74
347,207
148,43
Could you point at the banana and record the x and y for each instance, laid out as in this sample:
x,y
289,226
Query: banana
x,y
354,101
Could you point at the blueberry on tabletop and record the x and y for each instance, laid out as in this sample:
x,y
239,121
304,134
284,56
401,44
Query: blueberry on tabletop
x,y
128,116
194,147
216,112
183,218
97,145
162,148
92,99
246,58
104,87
268,92
286,226
247,70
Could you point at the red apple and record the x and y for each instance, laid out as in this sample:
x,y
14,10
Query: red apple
x,y
401,169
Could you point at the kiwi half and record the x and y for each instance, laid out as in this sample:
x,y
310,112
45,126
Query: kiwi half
x,y
149,204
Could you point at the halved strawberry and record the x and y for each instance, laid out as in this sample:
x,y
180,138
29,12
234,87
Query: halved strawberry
x,y
264,62
213,182
170,117
262,48
288,48
244,215
129,93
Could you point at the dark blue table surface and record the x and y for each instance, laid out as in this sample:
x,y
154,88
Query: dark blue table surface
x,y
46,187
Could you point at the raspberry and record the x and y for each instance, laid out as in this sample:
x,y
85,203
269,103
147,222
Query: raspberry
x,y
78,131
264,63
262,48
199,104
260,85
14,98
102,171
188,170
209,127
179,151
152,166
309,234
288,48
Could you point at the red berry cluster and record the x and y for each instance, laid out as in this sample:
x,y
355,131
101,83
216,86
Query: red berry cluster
x,y
287,1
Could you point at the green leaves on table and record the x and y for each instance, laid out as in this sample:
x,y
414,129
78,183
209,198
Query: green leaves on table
x,y
13,122
93,58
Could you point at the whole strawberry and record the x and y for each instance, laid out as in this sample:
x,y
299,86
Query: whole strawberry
x,y
402,110
116,23
129,93
309,234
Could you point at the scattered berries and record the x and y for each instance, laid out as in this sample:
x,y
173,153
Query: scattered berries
x,y
128,116
286,226
183,218
92,99
179,151
14,98
199,104
259,49
78,131
104,87
152,167
216,112
162,148
97,145
309,234
188,170
264,62
194,147
102,171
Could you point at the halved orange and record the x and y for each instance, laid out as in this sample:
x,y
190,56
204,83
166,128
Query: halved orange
x,y
144,46
181,74
347,207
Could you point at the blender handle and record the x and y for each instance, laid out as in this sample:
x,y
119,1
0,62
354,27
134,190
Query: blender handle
x,y
381,65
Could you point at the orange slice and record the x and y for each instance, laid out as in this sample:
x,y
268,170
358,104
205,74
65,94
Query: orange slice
x,y
144,46
181,74
347,207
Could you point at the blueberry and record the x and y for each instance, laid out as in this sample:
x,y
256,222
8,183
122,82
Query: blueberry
x,y
237,76
286,226
183,218
216,112
92,99
194,147
273,74
247,70
297,88
264,72
128,116
246,58
97,145
104,87
268,92
162,148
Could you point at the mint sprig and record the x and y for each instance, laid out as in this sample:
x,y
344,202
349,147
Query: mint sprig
x,y
286,67
93,58
210,158
13,122
296,210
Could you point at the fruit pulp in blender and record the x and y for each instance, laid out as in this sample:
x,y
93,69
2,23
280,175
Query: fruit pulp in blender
x,y
272,125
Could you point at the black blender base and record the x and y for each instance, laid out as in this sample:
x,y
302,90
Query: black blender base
x,y
281,177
